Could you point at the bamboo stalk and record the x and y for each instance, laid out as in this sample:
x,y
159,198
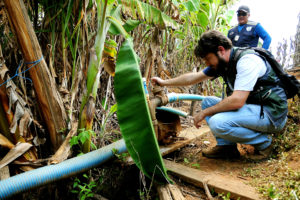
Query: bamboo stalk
x,y
49,99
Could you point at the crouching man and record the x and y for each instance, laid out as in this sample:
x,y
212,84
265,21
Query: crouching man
x,y
255,106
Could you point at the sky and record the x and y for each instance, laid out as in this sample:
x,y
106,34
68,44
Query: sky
x,y
277,17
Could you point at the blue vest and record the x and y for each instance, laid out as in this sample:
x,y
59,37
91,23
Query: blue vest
x,y
244,38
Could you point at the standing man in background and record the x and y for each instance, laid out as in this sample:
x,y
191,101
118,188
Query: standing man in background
x,y
247,33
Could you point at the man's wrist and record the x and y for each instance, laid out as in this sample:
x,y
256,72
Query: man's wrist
x,y
164,83
207,112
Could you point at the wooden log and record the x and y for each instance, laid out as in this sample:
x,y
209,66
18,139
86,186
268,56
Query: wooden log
x,y
163,192
48,97
175,192
221,183
169,192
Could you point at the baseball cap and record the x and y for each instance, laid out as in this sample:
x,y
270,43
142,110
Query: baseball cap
x,y
244,9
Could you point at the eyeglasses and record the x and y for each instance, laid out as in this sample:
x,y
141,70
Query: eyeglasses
x,y
239,14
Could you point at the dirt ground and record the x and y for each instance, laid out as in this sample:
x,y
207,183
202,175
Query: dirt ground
x,y
278,177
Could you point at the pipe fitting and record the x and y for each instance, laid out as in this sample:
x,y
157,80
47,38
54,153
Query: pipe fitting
x,y
159,92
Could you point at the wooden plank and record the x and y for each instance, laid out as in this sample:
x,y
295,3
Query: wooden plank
x,y
221,183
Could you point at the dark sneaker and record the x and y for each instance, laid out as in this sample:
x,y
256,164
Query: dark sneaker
x,y
261,155
222,151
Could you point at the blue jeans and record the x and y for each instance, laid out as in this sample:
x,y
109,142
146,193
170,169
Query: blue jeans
x,y
241,126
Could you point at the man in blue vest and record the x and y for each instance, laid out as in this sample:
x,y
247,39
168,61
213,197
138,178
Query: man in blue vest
x,y
247,33
255,106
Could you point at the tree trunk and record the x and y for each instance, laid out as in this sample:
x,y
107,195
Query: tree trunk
x,y
49,99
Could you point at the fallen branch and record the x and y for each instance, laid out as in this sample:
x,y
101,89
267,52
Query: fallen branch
x,y
207,192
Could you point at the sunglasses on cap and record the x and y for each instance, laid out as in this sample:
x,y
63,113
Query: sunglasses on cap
x,y
241,14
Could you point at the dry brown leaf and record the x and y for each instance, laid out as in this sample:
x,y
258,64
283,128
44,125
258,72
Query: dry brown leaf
x,y
24,124
64,150
17,116
38,141
109,66
3,70
14,153
26,168
4,142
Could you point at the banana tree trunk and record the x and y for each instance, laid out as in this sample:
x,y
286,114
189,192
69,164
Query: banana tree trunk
x,y
49,99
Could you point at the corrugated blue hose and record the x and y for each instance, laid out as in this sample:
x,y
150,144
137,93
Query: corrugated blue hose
x,y
44,175
173,97
172,110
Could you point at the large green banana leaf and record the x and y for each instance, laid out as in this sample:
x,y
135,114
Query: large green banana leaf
x,y
192,5
149,14
133,115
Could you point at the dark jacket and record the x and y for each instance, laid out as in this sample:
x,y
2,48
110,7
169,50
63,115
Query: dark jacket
x,y
266,92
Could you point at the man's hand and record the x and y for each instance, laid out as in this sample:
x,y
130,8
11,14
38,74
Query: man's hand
x,y
236,101
158,81
198,118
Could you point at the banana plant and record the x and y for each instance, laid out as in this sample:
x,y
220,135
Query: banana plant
x,y
136,124
133,113
87,109
148,14
209,14
64,24
197,17
141,13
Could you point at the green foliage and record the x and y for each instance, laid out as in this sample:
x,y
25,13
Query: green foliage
x,y
185,160
196,17
112,110
272,193
196,165
122,156
134,116
142,195
148,14
82,137
192,5
85,188
225,197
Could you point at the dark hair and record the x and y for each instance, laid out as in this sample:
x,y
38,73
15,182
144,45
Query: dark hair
x,y
209,43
